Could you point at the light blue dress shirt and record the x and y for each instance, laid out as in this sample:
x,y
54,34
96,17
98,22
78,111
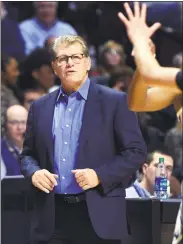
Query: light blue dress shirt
x,y
35,33
67,123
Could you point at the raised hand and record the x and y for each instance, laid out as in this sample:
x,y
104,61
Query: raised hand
x,y
135,24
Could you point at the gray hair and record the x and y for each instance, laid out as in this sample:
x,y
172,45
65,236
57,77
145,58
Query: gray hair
x,y
69,40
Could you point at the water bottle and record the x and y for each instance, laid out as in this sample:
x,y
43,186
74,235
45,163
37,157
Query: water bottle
x,y
161,181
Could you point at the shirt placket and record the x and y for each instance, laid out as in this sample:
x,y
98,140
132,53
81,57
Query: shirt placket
x,y
66,132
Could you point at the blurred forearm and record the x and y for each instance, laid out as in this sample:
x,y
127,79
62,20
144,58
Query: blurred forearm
x,y
150,70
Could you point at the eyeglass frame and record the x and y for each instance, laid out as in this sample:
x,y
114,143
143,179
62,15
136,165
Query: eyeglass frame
x,y
70,56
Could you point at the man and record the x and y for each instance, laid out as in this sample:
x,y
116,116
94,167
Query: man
x,y
145,187
45,24
12,142
32,94
168,81
81,145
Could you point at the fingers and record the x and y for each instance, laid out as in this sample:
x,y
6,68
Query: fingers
x,y
80,179
51,177
154,28
83,184
137,9
144,12
123,19
128,11
44,180
42,188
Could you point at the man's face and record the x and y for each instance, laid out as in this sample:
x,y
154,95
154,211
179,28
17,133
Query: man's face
x,y
113,57
12,72
31,96
150,170
46,11
71,66
45,76
16,125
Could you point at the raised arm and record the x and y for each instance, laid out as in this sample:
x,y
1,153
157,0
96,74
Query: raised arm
x,y
138,32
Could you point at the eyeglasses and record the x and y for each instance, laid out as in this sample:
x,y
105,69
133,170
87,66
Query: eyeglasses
x,y
76,58
16,122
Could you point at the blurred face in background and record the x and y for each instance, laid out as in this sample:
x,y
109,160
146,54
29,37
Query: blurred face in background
x,y
30,96
11,72
16,123
46,12
149,171
112,57
44,76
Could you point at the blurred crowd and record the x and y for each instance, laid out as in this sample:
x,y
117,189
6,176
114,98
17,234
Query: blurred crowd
x,y
26,75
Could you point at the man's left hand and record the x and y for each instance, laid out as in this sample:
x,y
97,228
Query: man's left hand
x,y
86,178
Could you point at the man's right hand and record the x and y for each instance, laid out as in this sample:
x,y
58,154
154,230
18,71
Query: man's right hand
x,y
44,180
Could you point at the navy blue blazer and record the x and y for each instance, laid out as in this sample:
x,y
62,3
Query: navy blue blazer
x,y
110,142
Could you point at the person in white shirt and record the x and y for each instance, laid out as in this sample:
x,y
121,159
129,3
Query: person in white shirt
x,y
144,187
43,25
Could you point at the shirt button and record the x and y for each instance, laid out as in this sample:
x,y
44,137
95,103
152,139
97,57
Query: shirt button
x,y
63,177
67,125
63,159
65,143
69,109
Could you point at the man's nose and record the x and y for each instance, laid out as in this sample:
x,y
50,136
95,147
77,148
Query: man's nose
x,y
70,61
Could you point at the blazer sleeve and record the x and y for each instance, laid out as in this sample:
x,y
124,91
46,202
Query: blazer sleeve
x,y
130,147
28,163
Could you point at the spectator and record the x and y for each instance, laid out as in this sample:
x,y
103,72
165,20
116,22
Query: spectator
x,y
9,74
37,69
35,31
10,32
111,56
173,141
121,78
31,95
144,187
12,142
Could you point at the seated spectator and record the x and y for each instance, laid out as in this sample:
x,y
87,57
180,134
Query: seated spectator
x,y
9,75
173,141
111,56
12,142
144,187
37,69
35,31
12,42
121,78
31,95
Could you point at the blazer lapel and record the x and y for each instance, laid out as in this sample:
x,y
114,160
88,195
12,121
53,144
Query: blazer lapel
x,y
47,118
91,120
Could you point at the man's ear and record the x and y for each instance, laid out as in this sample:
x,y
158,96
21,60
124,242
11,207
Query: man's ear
x,y
144,168
53,67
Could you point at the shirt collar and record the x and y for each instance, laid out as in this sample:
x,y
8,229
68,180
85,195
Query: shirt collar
x,y
44,26
83,90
